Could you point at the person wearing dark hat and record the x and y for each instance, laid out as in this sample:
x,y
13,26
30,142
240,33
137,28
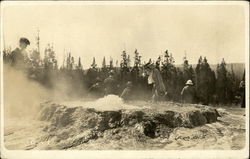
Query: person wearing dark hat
x,y
126,93
23,43
188,92
19,56
155,79
110,84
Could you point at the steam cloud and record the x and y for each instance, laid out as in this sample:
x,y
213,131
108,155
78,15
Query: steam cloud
x,y
21,95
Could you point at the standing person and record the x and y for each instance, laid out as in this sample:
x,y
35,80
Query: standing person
x,y
188,92
19,56
155,79
127,92
242,89
97,88
110,84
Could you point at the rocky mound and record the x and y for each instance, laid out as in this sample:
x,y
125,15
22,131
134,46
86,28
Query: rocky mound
x,y
70,127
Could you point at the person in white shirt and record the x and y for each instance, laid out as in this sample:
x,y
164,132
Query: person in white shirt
x,y
155,78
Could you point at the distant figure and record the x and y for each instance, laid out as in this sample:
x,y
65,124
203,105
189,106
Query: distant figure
x,y
215,99
188,92
155,79
91,75
110,84
242,89
97,88
19,56
126,93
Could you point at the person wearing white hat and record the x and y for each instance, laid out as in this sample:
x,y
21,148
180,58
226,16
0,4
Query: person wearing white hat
x,y
188,92
189,82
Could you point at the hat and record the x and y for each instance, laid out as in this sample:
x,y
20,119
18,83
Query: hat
x,y
129,84
98,79
111,72
24,40
189,82
148,65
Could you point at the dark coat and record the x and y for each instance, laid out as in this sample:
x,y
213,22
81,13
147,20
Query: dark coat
x,y
110,85
126,93
96,89
17,59
188,94
243,95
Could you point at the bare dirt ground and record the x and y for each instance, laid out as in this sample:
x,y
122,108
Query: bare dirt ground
x,y
228,132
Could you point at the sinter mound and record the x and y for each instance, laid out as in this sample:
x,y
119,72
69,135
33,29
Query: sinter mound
x,y
72,126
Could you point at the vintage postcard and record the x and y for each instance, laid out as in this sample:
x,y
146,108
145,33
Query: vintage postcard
x,y
124,79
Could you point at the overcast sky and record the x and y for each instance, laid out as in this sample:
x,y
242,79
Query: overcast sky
x,y
106,30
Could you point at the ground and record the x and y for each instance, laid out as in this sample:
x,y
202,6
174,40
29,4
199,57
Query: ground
x,y
109,123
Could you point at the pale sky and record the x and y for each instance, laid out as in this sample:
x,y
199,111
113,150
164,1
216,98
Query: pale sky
x,y
214,31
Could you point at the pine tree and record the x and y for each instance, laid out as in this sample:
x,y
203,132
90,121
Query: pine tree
x,y
116,63
180,83
35,57
158,63
243,77
232,86
135,70
124,60
93,65
137,58
169,74
188,72
205,81
212,86
111,63
222,82
68,61
168,67
38,41
125,68
79,65
171,59
50,60
197,72
72,64
128,61
35,54
104,63
150,61
166,60
92,74
104,69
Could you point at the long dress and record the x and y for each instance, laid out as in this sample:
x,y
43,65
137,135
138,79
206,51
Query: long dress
x,y
158,85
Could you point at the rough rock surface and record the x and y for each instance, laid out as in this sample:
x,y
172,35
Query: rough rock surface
x,y
73,126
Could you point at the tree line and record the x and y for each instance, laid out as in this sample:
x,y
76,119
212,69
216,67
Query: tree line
x,y
220,86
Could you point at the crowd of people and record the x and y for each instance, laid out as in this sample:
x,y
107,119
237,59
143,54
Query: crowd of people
x,y
157,81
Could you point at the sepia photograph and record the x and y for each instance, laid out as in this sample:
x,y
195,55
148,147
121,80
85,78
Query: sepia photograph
x,y
124,79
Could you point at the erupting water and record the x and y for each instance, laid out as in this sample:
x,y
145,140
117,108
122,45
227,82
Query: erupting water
x,y
109,102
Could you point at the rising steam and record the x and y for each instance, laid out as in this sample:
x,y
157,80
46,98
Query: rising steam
x,y
21,95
